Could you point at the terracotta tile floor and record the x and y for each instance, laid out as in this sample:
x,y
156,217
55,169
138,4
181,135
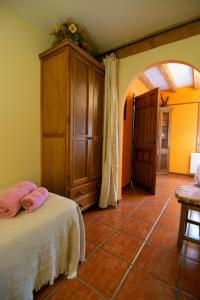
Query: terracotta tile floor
x,y
131,251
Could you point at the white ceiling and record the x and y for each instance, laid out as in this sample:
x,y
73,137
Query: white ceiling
x,y
181,75
110,23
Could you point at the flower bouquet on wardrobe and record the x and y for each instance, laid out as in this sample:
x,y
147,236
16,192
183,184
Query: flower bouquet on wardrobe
x,y
71,31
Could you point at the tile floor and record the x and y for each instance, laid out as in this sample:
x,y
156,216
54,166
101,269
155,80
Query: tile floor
x,y
131,251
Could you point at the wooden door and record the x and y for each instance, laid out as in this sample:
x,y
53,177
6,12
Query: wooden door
x,y
97,129
145,140
80,118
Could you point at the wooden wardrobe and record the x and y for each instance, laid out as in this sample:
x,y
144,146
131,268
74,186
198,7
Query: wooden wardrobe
x,y
72,88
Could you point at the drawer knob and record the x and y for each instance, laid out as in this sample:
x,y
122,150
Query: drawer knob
x,y
80,194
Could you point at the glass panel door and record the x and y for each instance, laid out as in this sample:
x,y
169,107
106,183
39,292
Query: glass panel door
x,y
165,130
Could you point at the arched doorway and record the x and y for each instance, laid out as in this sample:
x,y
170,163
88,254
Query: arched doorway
x,y
140,84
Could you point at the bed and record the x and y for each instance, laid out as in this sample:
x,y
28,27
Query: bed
x,y
37,247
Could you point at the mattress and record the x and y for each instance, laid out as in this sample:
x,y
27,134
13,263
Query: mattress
x,y
37,247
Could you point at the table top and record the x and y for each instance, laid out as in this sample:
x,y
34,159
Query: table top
x,y
188,194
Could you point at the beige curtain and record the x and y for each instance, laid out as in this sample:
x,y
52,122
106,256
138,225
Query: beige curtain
x,y
109,188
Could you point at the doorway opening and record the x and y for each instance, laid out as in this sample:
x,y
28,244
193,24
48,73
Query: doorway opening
x,y
177,123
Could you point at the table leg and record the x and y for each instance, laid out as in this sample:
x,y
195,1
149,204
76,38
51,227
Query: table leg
x,y
182,225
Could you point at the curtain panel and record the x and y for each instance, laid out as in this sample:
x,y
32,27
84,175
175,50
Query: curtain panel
x,y
109,187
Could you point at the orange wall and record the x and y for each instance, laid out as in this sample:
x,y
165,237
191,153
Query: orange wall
x,y
127,142
138,88
185,94
183,128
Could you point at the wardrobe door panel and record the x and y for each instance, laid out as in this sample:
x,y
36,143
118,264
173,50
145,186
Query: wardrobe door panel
x,y
97,158
98,94
80,95
53,173
54,93
80,169
97,131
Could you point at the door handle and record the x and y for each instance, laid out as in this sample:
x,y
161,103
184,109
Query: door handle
x,y
89,138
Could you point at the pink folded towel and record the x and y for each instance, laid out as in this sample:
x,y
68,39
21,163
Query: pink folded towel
x,y
10,200
35,199
26,186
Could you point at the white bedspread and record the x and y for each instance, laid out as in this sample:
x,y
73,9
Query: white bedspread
x,y
36,247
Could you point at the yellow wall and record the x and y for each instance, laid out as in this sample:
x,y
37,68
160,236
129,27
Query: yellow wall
x,y
183,128
19,98
186,50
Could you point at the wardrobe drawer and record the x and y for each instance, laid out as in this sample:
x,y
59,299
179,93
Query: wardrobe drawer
x,y
86,201
85,189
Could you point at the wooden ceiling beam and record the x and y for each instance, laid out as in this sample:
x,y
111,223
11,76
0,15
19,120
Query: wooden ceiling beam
x,y
145,80
196,79
168,77
157,39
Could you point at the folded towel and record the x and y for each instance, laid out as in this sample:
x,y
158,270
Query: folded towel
x,y
10,199
26,186
35,199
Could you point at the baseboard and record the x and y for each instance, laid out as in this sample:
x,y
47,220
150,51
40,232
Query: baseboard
x,y
125,187
175,173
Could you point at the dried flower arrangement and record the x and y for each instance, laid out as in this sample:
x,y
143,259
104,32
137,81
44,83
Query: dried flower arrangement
x,y
71,31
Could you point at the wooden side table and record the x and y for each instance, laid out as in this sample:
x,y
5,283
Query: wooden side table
x,y
189,197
